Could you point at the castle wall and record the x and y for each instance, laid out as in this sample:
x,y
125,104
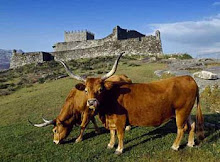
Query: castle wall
x,y
21,59
66,46
144,45
77,45
78,36
117,34
127,34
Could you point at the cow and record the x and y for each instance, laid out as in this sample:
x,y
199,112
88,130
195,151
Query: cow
x,y
75,112
144,104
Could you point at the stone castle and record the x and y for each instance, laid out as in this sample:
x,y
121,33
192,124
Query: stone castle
x,y
82,44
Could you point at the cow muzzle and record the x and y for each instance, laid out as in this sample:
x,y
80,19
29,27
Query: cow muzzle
x,y
56,142
92,103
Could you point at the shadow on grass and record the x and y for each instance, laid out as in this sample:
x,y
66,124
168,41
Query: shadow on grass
x,y
88,135
159,132
211,134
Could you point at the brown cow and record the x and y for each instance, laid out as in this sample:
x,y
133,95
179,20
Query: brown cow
x,y
144,104
75,111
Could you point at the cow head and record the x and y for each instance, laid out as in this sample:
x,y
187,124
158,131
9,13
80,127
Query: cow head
x,y
60,130
94,87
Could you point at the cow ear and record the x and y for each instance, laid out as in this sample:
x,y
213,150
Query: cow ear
x,y
80,86
55,122
108,85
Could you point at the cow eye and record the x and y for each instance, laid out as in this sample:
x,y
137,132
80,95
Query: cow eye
x,y
55,131
86,91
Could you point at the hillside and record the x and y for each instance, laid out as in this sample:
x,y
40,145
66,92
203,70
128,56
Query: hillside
x,y
22,142
5,56
28,75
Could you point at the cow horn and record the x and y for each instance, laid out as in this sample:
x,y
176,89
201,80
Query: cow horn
x,y
114,68
46,123
45,120
74,76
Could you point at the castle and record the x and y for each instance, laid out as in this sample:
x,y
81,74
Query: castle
x,y
82,44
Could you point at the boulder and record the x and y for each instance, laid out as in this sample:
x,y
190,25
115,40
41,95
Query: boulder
x,y
206,75
152,59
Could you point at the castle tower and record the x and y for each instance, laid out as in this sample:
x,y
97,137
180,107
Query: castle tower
x,y
73,36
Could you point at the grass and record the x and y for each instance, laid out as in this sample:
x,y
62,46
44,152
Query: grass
x,y
22,142
28,75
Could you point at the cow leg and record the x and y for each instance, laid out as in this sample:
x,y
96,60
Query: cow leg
x,y
85,122
179,137
128,128
120,127
180,123
191,132
120,134
112,139
79,138
95,125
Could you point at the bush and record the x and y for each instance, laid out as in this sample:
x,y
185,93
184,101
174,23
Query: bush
x,y
186,56
41,80
3,86
177,56
210,96
133,64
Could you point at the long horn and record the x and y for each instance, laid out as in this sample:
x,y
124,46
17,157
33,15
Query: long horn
x,y
114,68
74,76
45,120
46,123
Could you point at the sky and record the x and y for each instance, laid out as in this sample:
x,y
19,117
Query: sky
x,y
191,26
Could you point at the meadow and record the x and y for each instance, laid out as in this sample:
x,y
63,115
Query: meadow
x,y
20,141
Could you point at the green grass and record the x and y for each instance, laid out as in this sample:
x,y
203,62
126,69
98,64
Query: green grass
x,y
22,142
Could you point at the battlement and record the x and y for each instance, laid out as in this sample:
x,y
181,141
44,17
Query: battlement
x,y
79,35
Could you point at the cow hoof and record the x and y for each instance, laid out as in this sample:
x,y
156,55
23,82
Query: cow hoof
x,y
118,152
175,148
128,128
97,131
110,146
190,144
78,140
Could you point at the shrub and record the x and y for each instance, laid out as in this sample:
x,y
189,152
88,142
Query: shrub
x,y
41,80
133,64
210,97
177,56
3,86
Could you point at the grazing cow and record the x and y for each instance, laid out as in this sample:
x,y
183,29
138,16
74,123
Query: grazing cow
x,y
75,112
144,104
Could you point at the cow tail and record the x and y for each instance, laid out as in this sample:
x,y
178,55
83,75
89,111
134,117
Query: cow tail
x,y
199,120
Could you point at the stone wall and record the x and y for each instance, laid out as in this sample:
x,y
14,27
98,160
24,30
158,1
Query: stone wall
x,y
72,45
117,34
142,46
127,34
129,41
72,36
20,59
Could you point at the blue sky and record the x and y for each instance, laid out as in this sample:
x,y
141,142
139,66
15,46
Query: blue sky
x,y
191,26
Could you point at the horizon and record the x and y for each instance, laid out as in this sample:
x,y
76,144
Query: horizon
x,y
186,26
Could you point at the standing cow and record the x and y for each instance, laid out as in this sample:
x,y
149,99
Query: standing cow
x,y
76,112
144,104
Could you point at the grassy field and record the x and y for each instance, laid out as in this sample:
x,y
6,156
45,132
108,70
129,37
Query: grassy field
x,y
22,142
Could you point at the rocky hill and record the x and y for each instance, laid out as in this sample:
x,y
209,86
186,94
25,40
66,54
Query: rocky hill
x,y
5,56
